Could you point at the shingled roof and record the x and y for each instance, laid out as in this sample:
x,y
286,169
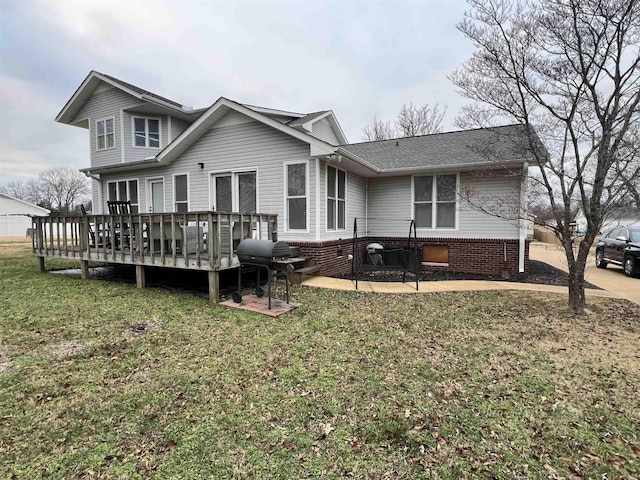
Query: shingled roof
x,y
468,147
307,118
142,91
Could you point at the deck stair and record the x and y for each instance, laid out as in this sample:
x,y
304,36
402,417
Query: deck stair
x,y
301,266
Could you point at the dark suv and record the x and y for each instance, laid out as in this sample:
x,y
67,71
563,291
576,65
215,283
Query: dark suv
x,y
622,247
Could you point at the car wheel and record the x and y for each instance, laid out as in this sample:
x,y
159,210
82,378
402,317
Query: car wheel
x,y
629,267
600,261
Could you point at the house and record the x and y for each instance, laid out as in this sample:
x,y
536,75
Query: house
x,y
616,216
462,189
15,216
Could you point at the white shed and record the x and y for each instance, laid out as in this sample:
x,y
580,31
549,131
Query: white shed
x,y
15,216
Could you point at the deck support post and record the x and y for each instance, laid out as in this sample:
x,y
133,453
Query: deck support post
x,y
41,264
140,277
214,285
84,269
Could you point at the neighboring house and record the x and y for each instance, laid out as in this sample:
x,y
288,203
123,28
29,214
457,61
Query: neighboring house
x,y
616,217
165,157
15,216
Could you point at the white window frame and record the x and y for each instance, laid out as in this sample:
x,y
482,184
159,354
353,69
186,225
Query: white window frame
x,y
336,228
146,131
235,186
434,202
104,119
126,180
306,196
188,201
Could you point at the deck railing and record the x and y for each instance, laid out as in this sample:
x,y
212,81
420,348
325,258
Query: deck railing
x,y
196,240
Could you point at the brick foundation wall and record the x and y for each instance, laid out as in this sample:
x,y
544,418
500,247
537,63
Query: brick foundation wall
x,y
332,256
483,256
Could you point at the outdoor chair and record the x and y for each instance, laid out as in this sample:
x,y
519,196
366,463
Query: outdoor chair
x,y
92,233
121,230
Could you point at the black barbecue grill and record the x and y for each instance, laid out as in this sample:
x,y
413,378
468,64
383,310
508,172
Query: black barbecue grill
x,y
262,254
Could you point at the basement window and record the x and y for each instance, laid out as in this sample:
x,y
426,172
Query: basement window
x,y
435,255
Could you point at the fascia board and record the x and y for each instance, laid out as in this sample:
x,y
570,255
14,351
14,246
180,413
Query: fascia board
x,y
121,167
458,166
331,117
61,117
67,112
358,159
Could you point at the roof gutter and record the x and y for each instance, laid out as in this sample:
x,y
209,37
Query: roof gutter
x,y
456,166
359,160
162,103
121,167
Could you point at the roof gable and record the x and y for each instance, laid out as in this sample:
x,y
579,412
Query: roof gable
x,y
308,120
95,79
20,207
216,112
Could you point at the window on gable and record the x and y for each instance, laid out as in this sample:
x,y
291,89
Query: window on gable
x,y
124,190
336,202
435,201
181,202
146,132
104,134
296,196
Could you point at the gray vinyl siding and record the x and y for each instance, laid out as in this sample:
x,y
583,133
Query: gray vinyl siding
x,y
322,130
132,153
177,127
390,208
246,146
95,197
355,203
106,103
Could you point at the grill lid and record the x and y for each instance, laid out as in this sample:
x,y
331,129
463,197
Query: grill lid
x,y
253,250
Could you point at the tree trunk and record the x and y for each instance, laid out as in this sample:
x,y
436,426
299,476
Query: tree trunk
x,y
577,299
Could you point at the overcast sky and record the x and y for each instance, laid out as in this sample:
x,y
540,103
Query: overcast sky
x,y
358,58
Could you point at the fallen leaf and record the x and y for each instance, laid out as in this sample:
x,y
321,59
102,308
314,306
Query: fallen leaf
x,y
327,428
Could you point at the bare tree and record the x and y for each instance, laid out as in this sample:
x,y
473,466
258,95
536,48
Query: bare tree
x,y
30,191
377,130
65,187
16,189
570,69
410,122
413,121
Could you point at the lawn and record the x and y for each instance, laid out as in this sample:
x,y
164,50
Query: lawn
x,y
102,380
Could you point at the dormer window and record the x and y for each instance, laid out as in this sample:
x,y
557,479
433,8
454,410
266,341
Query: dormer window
x,y
105,138
146,132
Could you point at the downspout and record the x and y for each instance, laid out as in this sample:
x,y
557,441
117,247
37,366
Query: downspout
x,y
523,218
99,180
318,219
366,206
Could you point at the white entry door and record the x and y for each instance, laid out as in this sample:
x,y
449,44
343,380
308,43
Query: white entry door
x,y
155,195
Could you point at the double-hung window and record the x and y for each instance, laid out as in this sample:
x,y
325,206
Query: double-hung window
x,y
296,190
105,136
181,193
336,198
435,201
146,132
124,190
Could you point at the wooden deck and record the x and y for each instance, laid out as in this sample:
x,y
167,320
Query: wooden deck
x,y
193,240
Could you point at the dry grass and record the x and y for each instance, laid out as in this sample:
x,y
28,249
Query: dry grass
x,y
103,380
